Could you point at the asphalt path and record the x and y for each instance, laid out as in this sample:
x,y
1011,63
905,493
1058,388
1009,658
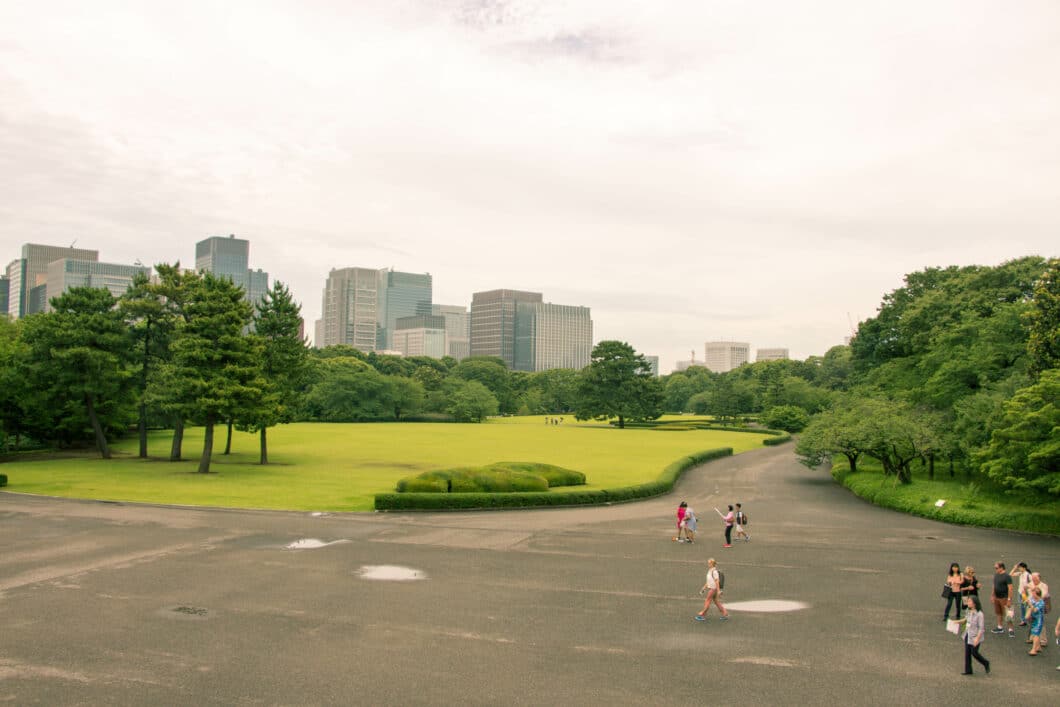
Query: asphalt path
x,y
124,604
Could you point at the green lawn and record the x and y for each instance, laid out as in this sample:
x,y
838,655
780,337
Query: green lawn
x,y
968,502
342,466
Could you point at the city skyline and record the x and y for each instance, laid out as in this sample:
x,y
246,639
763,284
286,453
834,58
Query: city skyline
x,y
762,172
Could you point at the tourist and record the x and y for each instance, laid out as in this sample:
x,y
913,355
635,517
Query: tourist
x,y
714,587
680,537
1037,583
1037,620
974,625
969,584
729,518
953,582
690,525
741,524
1002,599
1021,578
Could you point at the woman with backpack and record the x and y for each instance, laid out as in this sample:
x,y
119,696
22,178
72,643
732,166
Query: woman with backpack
x,y
714,586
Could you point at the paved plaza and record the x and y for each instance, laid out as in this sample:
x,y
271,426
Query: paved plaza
x,y
121,604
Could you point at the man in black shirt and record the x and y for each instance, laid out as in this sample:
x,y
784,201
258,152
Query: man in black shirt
x,y
1002,599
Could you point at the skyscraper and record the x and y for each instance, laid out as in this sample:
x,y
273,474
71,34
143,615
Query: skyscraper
x,y
777,354
722,356
66,273
493,322
457,329
228,256
405,294
421,335
351,308
31,271
4,284
552,336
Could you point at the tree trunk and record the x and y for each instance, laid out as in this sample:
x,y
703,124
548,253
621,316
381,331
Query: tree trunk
x,y
264,447
141,428
228,441
178,441
853,459
207,447
97,429
621,422
931,467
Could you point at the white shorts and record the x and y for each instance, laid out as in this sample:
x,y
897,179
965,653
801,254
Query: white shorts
x,y
739,528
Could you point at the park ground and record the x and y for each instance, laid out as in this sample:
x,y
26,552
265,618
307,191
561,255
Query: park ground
x,y
109,603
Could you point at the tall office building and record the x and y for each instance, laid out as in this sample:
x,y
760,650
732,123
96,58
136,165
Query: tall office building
x,y
422,335
493,322
552,336
771,354
228,256
653,364
405,294
351,308
457,329
4,283
67,273
27,275
722,356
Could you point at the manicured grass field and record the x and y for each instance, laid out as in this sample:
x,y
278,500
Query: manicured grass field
x,y
340,467
968,502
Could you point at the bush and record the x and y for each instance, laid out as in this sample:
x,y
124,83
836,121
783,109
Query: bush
x,y
3,479
777,438
500,477
789,418
461,501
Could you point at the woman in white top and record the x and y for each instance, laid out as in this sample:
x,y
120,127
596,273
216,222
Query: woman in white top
x,y
714,591
974,630
690,525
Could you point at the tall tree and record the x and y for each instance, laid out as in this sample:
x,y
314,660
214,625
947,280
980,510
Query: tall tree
x,y
284,362
1043,344
80,352
214,363
618,383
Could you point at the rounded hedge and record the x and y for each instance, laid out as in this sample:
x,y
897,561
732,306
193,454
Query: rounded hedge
x,y
3,479
500,477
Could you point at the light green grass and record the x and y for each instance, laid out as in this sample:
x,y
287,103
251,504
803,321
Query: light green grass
x,y
968,502
341,467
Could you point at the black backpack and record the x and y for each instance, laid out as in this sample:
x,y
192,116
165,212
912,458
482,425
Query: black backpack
x,y
721,580
743,519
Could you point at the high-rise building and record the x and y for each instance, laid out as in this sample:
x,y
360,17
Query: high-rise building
x,y
422,335
653,364
493,322
67,273
4,283
722,356
406,294
552,336
457,329
30,271
351,308
771,354
228,256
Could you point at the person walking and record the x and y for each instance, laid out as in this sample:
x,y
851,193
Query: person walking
x,y
1037,620
974,630
953,581
690,524
1021,578
714,587
741,524
729,518
1002,599
681,509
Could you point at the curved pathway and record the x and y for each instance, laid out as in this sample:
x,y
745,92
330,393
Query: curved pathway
x,y
104,603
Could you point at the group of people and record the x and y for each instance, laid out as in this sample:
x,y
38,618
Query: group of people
x,y
1019,598
687,524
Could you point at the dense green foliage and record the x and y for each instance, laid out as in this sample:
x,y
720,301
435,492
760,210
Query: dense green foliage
x,y
455,501
500,477
618,384
959,366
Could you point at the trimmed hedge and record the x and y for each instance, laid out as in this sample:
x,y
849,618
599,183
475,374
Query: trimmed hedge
x,y
499,477
3,479
463,501
777,438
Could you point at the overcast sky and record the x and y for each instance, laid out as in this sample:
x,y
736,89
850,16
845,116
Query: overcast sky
x,y
692,171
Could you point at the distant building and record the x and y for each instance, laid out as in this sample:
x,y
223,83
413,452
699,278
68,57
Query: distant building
x,y
722,356
493,322
404,294
457,329
229,257
66,273
4,284
685,365
653,363
771,354
30,271
551,336
351,308
422,335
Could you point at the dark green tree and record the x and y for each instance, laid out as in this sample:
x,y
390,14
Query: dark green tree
x,y
1043,342
469,400
618,383
79,355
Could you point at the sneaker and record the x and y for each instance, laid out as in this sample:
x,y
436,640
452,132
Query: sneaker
x,y
726,545
697,617
997,630
1011,633
724,618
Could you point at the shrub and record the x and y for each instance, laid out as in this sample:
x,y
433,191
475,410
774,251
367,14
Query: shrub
x,y
499,477
3,479
789,418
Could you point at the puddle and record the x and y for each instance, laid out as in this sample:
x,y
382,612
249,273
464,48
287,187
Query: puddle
x,y
766,606
392,573
311,544
319,514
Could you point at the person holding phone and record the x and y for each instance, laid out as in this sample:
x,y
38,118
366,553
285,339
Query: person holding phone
x,y
974,630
